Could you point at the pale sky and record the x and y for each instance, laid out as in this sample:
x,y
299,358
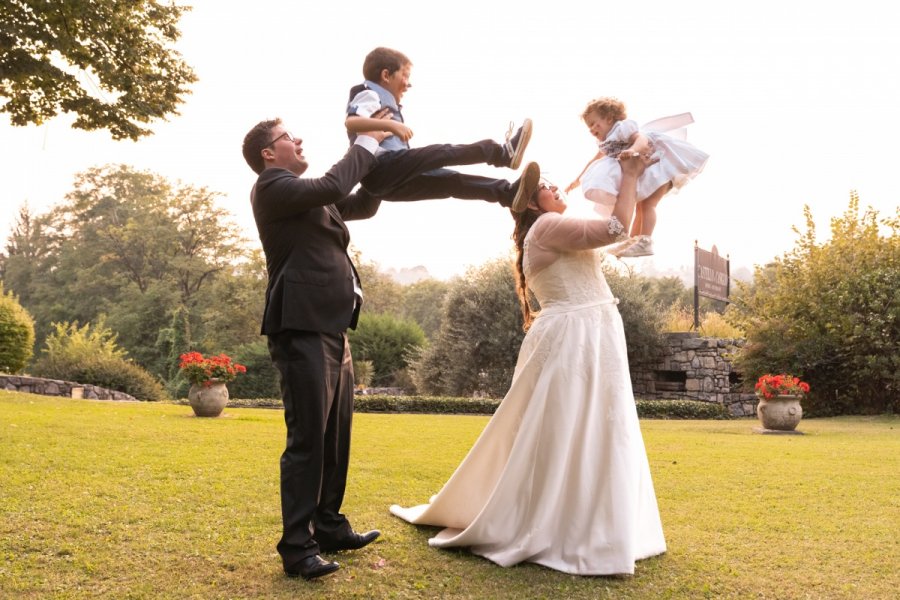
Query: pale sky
x,y
796,102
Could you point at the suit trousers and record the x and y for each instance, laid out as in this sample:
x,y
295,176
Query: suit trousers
x,y
317,391
419,174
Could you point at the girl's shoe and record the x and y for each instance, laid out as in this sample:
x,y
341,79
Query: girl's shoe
x,y
642,247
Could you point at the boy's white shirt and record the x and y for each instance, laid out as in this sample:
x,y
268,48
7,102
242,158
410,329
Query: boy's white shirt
x,y
367,103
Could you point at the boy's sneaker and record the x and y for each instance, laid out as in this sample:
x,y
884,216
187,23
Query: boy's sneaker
x,y
642,247
526,186
515,145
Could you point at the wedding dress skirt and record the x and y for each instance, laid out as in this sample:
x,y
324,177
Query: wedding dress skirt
x,y
559,476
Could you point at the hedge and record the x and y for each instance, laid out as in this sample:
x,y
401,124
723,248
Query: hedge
x,y
376,403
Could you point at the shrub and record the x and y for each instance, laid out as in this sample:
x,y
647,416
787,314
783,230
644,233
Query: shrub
x,y
16,334
714,325
261,379
642,318
386,341
425,404
681,409
678,319
90,355
363,370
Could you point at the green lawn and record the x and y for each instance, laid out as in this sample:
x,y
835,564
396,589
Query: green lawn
x,y
143,500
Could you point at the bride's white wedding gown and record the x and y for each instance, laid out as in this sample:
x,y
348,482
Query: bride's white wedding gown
x,y
559,476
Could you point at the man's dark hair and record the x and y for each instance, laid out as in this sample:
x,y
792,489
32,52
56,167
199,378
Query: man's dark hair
x,y
383,58
256,139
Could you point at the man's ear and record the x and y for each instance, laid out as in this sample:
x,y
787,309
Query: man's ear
x,y
268,154
385,75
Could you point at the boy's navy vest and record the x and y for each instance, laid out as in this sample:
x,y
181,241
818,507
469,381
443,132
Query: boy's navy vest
x,y
387,100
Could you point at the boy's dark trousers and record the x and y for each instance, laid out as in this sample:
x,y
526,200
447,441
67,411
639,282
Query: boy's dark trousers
x,y
418,174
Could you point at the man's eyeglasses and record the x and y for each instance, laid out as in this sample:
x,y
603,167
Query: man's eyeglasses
x,y
284,135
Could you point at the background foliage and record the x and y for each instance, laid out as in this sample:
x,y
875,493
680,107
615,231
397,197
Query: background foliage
x,y
157,263
125,50
829,313
89,354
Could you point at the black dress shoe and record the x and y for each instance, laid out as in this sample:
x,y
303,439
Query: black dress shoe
x,y
354,541
311,567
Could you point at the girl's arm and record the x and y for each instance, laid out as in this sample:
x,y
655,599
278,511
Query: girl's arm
x,y
577,181
640,144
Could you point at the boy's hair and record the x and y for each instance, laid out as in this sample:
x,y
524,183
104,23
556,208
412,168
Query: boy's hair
x,y
607,108
254,142
383,58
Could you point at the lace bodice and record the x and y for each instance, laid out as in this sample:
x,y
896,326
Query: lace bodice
x,y
562,267
574,279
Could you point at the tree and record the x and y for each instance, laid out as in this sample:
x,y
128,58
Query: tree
x,y
24,253
481,331
830,313
381,294
110,63
423,302
231,307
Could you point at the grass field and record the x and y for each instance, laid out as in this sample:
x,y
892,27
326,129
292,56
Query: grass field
x,y
143,500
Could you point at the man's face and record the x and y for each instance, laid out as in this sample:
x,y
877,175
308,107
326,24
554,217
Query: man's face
x,y
397,82
285,151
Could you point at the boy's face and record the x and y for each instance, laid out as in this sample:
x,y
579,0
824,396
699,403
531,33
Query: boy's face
x,y
397,82
598,125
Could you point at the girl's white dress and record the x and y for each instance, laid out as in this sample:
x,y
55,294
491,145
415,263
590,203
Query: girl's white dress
x,y
559,476
679,161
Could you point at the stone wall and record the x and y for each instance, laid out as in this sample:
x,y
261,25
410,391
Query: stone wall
x,y
56,387
696,368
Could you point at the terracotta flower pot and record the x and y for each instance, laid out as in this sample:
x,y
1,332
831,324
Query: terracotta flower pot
x,y
780,413
208,401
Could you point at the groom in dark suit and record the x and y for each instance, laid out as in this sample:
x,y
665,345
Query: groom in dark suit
x,y
313,296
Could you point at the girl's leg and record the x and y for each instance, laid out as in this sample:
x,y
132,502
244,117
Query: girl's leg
x,y
647,210
638,219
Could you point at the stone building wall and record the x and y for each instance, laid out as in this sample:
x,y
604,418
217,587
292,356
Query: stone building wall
x,y
696,368
56,387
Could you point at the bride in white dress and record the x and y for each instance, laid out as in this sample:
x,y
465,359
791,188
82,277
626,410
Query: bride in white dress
x,y
559,476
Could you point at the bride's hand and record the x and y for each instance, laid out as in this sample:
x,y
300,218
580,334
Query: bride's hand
x,y
634,163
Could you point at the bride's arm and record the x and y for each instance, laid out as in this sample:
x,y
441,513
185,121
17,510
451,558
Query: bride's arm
x,y
558,233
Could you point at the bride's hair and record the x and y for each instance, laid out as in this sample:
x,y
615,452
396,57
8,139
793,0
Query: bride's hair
x,y
524,220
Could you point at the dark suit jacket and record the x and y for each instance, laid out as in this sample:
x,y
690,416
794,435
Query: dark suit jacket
x,y
301,227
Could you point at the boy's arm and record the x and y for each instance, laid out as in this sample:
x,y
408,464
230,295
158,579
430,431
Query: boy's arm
x,y
379,121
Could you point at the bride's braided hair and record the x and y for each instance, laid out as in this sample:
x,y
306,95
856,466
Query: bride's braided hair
x,y
524,220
